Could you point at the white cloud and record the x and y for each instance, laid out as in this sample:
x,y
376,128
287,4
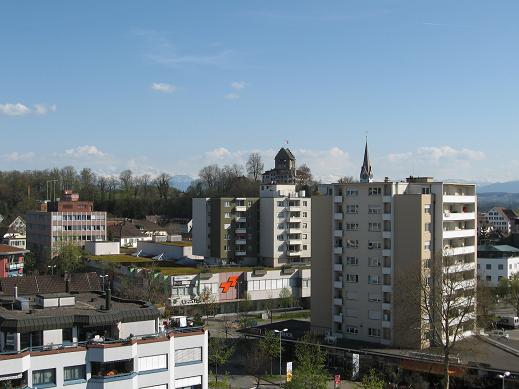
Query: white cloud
x,y
15,156
85,151
19,109
218,153
232,96
163,87
238,85
437,154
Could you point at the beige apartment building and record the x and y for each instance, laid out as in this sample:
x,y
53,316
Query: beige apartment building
x,y
380,235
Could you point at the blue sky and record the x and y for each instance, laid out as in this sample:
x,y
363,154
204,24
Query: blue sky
x,y
175,85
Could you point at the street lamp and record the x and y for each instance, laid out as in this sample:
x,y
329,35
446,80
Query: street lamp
x,y
503,376
103,278
279,332
52,267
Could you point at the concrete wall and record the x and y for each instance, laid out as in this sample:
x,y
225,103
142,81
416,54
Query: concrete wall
x,y
321,284
53,336
137,328
170,250
102,248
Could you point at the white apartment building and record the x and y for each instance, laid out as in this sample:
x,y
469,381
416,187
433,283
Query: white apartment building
x,y
380,232
90,340
497,262
285,225
502,219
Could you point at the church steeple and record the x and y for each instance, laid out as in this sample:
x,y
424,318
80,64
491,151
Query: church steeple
x,y
366,172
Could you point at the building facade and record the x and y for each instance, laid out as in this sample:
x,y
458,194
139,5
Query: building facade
x,y
11,261
65,220
383,233
501,219
14,234
497,262
90,340
274,229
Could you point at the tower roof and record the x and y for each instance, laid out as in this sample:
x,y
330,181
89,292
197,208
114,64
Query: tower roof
x,y
366,171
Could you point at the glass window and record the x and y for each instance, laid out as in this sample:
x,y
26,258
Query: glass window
x,y
74,373
188,356
153,362
43,378
67,335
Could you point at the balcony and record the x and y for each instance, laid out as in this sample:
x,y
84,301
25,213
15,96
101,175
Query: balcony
x,y
337,250
241,241
337,318
337,267
294,230
337,233
241,253
294,208
386,252
386,199
337,199
386,324
241,219
458,199
459,250
337,216
386,216
387,234
386,306
241,230
293,253
448,234
455,216
387,288
294,219
240,208
127,380
337,301
386,270
337,284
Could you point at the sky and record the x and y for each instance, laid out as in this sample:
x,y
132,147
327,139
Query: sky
x,y
172,86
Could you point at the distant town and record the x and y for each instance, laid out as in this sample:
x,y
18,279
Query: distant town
x,y
254,276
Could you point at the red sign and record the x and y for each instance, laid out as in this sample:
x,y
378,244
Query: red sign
x,y
230,283
337,379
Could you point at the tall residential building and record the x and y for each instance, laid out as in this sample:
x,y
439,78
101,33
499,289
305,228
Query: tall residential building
x,y
69,334
226,228
274,229
65,220
382,234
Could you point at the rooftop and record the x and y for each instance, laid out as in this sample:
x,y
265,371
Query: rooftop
x,y
7,250
498,248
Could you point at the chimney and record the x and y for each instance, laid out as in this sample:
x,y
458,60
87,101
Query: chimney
x,y
108,298
15,292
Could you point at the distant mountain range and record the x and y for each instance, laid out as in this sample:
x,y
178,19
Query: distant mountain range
x,y
501,187
181,182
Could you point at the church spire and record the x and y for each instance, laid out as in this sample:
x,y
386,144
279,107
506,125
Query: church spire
x,y
366,172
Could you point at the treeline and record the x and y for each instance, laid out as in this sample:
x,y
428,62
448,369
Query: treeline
x,y
130,195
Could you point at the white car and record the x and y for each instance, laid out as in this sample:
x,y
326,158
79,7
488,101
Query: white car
x,y
500,334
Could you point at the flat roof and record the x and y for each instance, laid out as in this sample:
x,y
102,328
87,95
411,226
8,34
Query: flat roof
x,y
6,249
88,310
504,248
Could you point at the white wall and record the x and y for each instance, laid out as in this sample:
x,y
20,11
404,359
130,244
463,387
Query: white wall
x,y
53,337
102,248
510,266
137,328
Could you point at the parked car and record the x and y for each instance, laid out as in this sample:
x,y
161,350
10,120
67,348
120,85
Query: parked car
x,y
500,334
509,321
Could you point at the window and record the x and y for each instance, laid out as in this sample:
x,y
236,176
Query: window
x,y
426,190
227,215
500,267
374,226
305,247
67,335
188,356
112,368
350,243
351,330
352,192
352,261
154,362
489,278
374,297
304,225
44,378
352,226
305,236
374,262
427,246
427,227
374,280
305,203
305,214
280,203
74,373
352,208
280,237
249,203
374,332
488,266
374,244
352,278
427,208
375,315
374,191
374,209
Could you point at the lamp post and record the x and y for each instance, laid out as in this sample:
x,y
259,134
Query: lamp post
x,y
279,332
103,278
503,376
51,267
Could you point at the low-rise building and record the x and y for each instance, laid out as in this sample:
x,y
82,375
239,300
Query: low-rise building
x,y
67,333
11,261
13,233
167,250
501,219
496,262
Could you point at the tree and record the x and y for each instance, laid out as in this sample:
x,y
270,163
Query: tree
x,y
285,298
269,347
346,180
485,301
69,257
373,380
304,175
207,302
509,290
162,184
254,365
440,299
219,353
254,166
310,370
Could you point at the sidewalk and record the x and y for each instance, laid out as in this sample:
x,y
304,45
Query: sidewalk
x,y
249,382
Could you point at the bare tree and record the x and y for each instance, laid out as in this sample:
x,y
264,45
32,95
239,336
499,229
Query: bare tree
x,y
162,184
440,300
126,179
304,175
346,180
255,166
209,176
